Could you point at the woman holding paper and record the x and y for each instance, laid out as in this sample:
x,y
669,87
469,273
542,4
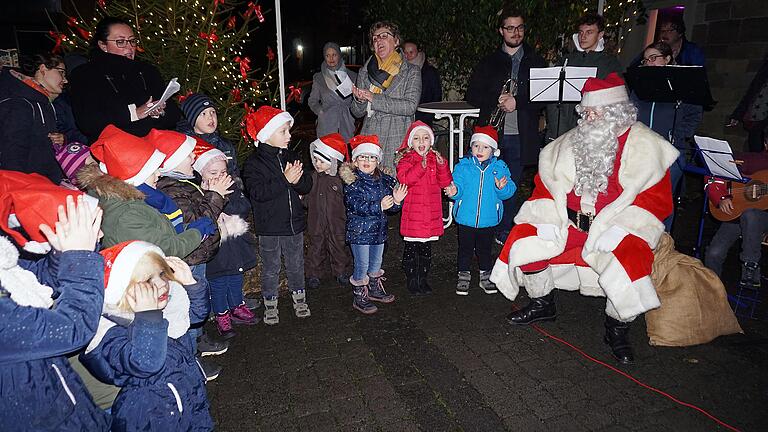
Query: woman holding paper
x,y
116,88
331,94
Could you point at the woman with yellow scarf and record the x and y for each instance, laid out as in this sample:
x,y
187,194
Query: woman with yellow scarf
x,y
387,91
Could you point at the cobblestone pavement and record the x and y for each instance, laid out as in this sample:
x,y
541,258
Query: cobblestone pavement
x,y
445,363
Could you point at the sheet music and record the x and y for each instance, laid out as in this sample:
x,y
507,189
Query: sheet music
x,y
718,156
170,90
544,83
345,88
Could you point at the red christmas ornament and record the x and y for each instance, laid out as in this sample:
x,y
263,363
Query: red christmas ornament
x,y
102,4
83,33
231,22
254,8
245,66
236,95
57,39
255,84
216,3
210,37
270,54
294,94
184,96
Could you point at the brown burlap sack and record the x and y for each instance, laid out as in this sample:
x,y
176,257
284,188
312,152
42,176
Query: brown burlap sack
x,y
694,306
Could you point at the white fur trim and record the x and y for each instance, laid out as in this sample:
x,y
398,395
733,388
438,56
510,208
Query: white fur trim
x,y
486,139
272,125
413,131
184,150
604,97
327,150
122,268
366,148
642,223
206,158
506,283
539,284
627,298
233,226
149,167
40,248
13,221
21,284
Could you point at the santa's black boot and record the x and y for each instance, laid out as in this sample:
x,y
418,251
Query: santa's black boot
x,y
539,309
617,337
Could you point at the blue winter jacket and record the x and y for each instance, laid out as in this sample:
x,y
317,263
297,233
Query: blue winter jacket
x,y
478,201
366,222
163,386
39,391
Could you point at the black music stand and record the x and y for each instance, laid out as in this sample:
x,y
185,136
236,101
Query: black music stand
x,y
559,84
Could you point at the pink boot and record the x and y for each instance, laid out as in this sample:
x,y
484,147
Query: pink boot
x,y
224,325
242,315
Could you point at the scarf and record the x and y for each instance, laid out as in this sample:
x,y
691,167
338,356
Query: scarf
x,y
419,60
163,204
334,76
383,72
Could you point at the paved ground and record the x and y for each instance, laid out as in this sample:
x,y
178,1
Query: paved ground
x,y
445,363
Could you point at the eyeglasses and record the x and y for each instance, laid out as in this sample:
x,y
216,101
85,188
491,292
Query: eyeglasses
x,y
367,158
121,43
382,36
514,29
651,58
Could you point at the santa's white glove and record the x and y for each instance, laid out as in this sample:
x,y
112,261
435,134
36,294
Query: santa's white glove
x,y
611,238
548,232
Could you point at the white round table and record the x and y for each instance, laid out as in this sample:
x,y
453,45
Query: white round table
x,y
449,109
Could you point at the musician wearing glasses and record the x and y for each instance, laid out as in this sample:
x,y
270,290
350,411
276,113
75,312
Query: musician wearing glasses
x,y
499,87
675,125
387,91
588,51
116,88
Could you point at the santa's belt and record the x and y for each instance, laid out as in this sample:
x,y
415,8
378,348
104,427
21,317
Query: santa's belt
x,y
582,220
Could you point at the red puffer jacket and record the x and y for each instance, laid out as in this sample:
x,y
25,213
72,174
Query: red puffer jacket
x,y
423,209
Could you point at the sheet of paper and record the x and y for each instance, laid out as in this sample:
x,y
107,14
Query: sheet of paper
x,y
170,90
718,156
345,88
544,86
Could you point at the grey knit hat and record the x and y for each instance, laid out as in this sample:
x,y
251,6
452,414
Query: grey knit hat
x,y
194,104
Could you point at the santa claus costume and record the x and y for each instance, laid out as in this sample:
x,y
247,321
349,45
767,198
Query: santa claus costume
x,y
594,218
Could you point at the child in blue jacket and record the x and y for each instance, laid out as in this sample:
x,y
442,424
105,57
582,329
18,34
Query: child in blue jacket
x,y
39,391
480,183
142,344
368,194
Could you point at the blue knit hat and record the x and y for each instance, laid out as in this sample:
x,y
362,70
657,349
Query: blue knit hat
x,y
194,104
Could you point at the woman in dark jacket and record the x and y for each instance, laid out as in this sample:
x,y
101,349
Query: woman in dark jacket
x,y
114,88
28,118
39,391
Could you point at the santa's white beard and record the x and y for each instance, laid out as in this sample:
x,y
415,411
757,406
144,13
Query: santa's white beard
x,y
594,147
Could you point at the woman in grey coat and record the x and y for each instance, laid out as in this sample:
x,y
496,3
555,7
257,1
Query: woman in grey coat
x,y
387,92
326,100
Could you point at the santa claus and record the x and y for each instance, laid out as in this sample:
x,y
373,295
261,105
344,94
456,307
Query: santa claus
x,y
594,218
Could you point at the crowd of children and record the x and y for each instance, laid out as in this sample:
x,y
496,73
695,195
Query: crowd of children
x,y
157,238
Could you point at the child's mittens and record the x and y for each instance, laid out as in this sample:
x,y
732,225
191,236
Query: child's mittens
x,y
500,182
205,225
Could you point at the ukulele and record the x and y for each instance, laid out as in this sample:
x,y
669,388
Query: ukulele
x,y
752,195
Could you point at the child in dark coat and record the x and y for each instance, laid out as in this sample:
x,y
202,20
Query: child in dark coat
x,y
202,121
236,255
39,391
142,344
368,194
326,216
274,179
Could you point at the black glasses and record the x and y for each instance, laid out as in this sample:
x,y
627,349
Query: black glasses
x,y
121,43
382,36
515,29
651,58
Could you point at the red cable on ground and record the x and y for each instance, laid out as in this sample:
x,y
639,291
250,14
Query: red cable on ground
x,y
630,377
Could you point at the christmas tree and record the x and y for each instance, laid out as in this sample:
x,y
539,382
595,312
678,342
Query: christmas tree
x,y
200,42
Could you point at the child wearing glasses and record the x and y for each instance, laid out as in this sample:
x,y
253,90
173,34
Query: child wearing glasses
x,y
426,172
480,185
368,195
275,179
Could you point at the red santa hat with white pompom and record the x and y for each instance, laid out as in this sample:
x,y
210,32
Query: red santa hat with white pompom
x,y
599,92
488,136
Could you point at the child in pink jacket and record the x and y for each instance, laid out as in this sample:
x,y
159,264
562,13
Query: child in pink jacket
x,y
425,171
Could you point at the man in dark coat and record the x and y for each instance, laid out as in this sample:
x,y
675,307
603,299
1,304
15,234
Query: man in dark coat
x,y
520,129
431,88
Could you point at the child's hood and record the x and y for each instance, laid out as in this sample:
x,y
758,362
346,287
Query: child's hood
x,y
105,186
347,172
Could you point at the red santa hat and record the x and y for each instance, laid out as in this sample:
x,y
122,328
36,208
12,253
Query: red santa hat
x,y
205,153
488,136
125,156
415,126
119,262
330,147
365,145
175,145
266,120
32,206
15,180
599,92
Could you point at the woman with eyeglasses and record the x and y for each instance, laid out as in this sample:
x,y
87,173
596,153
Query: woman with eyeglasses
x,y
27,117
116,88
677,127
387,92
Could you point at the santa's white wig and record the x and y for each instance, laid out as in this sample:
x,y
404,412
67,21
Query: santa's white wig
x,y
595,144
